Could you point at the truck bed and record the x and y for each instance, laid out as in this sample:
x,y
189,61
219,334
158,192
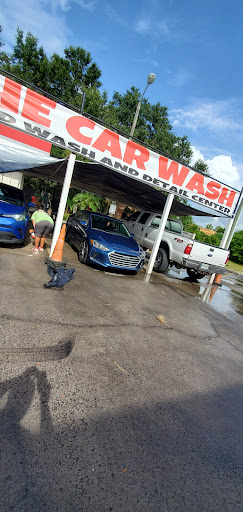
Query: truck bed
x,y
208,253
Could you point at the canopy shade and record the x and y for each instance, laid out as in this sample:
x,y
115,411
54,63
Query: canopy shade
x,y
15,156
101,180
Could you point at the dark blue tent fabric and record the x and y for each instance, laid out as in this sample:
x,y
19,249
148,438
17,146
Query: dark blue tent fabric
x,y
60,276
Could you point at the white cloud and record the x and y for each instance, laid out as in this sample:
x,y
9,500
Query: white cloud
x,y
114,16
147,60
221,168
45,19
197,155
148,27
215,116
65,5
180,77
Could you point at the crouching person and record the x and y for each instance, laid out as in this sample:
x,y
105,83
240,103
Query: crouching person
x,y
43,224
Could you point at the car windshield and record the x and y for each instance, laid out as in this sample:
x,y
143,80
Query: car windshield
x,y
109,225
11,195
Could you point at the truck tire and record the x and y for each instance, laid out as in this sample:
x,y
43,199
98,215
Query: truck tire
x,y
162,262
193,274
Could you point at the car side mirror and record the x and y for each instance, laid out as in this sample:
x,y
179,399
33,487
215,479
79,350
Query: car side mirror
x,y
31,205
132,235
84,223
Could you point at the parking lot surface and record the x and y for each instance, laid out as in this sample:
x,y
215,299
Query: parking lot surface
x,y
116,394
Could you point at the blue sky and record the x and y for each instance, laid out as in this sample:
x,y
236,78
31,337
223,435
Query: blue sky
x,y
194,48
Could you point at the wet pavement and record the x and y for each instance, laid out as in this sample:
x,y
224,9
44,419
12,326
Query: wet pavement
x,y
117,395
226,299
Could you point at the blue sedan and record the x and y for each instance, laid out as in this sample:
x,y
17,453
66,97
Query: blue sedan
x,y
104,240
14,218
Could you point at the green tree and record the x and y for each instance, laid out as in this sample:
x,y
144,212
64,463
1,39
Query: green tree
x,y
202,167
236,247
60,76
27,60
84,200
64,77
67,76
219,229
153,126
3,56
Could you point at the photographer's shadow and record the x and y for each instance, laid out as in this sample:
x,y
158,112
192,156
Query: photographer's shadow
x,y
18,446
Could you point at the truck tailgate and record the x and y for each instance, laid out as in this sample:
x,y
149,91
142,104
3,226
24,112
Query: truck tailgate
x,y
208,254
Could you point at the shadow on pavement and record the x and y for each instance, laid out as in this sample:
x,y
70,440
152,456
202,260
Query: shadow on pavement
x,y
171,456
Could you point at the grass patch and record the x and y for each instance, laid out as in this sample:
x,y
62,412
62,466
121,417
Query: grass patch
x,y
237,267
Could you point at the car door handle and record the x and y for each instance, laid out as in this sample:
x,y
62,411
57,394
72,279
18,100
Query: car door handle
x,y
141,229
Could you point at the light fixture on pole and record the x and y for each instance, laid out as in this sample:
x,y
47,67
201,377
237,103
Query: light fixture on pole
x,y
151,79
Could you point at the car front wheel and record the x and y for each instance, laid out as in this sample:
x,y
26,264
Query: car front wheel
x,y
83,253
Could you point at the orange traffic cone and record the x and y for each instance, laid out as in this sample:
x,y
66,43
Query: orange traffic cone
x,y
58,251
217,279
214,288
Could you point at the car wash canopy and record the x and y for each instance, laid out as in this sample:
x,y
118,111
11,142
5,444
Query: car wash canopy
x,y
41,117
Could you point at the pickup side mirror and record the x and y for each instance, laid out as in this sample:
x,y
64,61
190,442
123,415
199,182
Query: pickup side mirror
x,y
84,223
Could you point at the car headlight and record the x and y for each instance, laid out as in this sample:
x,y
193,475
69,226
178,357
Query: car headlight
x,y
17,217
99,246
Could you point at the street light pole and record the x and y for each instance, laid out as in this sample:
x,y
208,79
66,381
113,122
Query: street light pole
x,y
83,94
151,79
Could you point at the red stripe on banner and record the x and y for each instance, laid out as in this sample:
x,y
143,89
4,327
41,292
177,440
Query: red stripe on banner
x,y
29,140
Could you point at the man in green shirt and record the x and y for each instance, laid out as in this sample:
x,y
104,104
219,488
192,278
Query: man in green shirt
x,y
43,224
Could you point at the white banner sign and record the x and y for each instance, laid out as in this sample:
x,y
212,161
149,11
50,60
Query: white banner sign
x,y
31,113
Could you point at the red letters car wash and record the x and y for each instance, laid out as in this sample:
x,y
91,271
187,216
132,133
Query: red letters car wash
x,y
30,112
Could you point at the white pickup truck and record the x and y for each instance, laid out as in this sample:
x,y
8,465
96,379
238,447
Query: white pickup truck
x,y
176,248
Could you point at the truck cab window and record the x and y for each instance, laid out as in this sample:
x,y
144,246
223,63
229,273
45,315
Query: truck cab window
x,y
156,223
134,216
144,218
175,226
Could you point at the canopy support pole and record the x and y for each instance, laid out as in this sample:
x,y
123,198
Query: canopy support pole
x,y
229,231
231,228
63,201
161,228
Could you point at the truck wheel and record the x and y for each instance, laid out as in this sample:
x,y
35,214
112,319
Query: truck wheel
x,y
193,274
161,263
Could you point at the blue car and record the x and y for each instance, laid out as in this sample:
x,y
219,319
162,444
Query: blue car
x,y
14,218
104,240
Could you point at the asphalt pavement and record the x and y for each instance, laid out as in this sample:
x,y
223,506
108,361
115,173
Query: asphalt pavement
x,y
116,394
